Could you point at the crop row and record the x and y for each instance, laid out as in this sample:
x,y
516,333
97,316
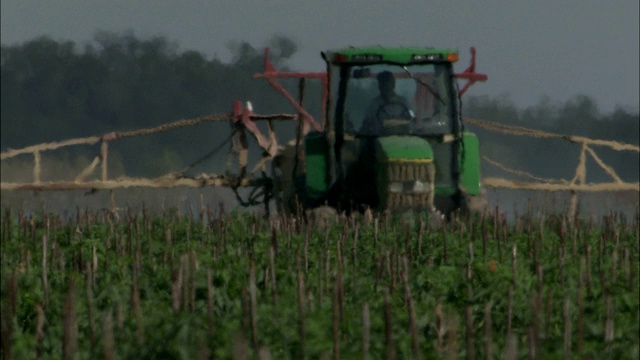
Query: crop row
x,y
235,285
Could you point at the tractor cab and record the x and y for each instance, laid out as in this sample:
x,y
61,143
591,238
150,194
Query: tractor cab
x,y
386,100
396,139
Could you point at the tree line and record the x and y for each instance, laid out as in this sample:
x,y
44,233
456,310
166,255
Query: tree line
x,y
54,90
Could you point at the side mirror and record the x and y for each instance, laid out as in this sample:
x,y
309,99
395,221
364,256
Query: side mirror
x,y
361,73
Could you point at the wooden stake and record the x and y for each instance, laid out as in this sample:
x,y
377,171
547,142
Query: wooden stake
x,y
340,283
301,307
136,307
567,327
192,286
451,322
306,252
420,234
336,319
254,305
549,307
8,314
388,326
608,324
469,332
184,265
444,245
440,328
580,307
210,308
505,237
488,351
320,277
513,264
587,273
272,265
511,348
531,342
413,330
70,324
108,342
354,255
176,287
366,331
39,330
509,310
90,310
534,327
45,270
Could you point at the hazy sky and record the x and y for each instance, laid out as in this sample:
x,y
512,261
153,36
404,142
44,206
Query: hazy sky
x,y
528,48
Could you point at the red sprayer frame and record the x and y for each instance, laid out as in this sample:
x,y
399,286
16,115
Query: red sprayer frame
x,y
245,116
470,74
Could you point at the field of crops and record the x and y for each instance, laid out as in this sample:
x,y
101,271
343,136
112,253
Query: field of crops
x,y
210,284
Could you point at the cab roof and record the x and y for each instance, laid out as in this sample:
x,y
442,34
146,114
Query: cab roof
x,y
399,55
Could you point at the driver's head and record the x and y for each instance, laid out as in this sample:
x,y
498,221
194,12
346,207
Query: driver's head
x,y
386,83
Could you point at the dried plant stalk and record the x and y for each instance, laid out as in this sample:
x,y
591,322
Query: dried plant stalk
x,y
108,343
413,330
531,342
336,319
366,331
39,329
176,288
136,307
210,309
253,305
301,306
90,310
608,325
272,265
469,332
45,276
488,342
567,327
509,310
451,324
580,340
70,324
390,352
511,348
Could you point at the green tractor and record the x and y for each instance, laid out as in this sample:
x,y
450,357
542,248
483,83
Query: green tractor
x,y
394,138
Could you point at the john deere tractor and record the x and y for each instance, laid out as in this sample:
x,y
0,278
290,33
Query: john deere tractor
x,y
394,138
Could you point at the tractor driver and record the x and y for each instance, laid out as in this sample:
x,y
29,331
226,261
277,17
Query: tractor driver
x,y
388,105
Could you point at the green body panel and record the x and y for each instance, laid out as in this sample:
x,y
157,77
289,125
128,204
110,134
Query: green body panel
x,y
387,149
403,147
470,176
316,153
470,169
395,55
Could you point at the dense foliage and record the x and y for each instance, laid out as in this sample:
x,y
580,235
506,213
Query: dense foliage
x,y
216,285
